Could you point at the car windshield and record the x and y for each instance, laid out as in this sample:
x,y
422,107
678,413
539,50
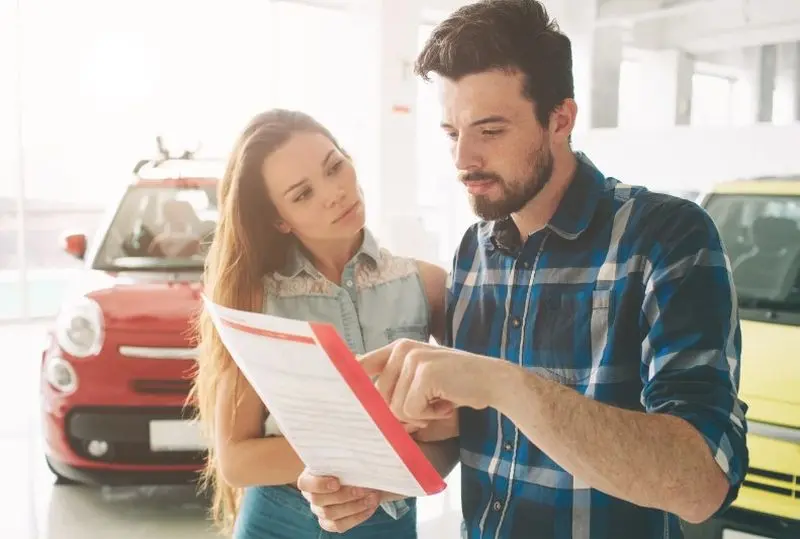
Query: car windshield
x,y
160,227
762,236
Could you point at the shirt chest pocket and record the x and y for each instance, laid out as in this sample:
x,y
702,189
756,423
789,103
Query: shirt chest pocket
x,y
415,332
381,335
569,333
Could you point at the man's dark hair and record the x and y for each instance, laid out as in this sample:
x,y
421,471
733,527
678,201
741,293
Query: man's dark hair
x,y
509,35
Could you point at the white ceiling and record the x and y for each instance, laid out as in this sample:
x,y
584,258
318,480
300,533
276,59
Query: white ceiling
x,y
696,26
703,26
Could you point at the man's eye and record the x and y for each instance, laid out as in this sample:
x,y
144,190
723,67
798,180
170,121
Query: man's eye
x,y
492,132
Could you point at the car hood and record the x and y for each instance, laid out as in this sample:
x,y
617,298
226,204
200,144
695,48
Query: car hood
x,y
144,301
770,372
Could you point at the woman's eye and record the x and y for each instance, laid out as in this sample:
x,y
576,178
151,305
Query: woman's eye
x,y
303,196
336,168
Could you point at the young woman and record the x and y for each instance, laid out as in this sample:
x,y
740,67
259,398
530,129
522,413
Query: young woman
x,y
291,241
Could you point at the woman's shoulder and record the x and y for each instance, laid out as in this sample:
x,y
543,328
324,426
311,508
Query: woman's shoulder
x,y
389,267
382,267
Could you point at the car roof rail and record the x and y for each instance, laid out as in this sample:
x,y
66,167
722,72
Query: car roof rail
x,y
164,156
776,177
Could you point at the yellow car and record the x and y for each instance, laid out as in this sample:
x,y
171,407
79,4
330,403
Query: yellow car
x,y
759,221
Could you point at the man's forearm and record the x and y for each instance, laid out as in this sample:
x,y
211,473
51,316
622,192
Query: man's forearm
x,y
651,460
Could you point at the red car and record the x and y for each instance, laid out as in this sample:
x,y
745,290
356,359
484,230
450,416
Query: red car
x,y
116,371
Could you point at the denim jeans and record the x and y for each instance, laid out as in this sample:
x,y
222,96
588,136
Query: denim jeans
x,y
283,513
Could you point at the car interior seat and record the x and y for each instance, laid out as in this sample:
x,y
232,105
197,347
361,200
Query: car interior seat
x,y
178,237
768,271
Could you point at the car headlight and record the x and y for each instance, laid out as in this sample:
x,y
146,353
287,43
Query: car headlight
x,y
59,373
79,328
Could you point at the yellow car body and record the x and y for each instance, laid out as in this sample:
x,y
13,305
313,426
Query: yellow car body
x,y
759,221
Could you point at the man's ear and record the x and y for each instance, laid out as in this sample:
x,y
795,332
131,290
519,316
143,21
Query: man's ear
x,y
562,121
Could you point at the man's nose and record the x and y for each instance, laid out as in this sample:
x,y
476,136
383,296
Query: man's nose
x,y
465,156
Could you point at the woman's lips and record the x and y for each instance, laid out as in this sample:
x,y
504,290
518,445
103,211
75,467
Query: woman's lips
x,y
347,213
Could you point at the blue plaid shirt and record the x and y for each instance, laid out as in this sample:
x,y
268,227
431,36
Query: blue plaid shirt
x,y
625,296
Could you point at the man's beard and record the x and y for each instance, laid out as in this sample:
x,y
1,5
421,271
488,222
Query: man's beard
x,y
516,195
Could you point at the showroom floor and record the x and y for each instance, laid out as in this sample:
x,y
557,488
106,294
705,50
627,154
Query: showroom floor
x,y
36,509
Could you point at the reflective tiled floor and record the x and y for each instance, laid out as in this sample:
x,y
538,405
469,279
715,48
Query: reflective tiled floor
x,y
33,508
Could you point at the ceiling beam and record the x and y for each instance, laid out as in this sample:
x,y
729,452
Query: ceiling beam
x,y
744,23
629,12
702,26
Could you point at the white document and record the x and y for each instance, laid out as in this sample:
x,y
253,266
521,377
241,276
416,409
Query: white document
x,y
324,402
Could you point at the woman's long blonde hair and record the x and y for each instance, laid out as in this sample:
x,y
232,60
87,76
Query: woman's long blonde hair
x,y
246,247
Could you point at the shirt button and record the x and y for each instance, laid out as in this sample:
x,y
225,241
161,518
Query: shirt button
x,y
526,265
516,322
508,446
349,283
497,506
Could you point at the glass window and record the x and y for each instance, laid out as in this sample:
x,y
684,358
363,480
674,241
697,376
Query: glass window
x,y
762,236
10,289
159,227
712,100
323,68
443,205
783,100
122,80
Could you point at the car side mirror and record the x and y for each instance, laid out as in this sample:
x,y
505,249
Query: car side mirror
x,y
74,244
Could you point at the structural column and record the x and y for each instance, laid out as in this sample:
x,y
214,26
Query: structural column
x,y
576,18
767,73
797,82
393,208
606,62
666,80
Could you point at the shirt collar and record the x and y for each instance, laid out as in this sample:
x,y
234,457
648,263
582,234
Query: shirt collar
x,y
577,207
571,218
298,262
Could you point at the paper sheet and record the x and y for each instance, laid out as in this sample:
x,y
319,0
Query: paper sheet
x,y
324,403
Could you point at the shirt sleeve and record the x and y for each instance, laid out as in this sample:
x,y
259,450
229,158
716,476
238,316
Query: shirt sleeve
x,y
692,338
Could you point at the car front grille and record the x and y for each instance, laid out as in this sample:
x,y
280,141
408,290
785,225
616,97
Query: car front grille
x,y
162,387
773,482
127,433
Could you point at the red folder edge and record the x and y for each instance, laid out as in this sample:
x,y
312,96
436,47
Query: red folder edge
x,y
406,448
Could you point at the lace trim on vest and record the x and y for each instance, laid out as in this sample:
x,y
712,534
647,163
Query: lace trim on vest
x,y
367,275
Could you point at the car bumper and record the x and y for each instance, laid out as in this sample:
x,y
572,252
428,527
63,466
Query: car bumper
x,y
108,476
130,458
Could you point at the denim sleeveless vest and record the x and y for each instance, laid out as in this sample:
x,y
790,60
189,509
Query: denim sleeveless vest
x,y
381,298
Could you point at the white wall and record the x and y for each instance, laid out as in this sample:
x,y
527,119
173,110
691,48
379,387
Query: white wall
x,y
693,158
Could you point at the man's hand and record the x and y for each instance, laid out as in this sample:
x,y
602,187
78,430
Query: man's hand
x,y
437,431
422,382
338,508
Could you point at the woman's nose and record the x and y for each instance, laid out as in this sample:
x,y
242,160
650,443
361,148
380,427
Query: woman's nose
x,y
335,195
